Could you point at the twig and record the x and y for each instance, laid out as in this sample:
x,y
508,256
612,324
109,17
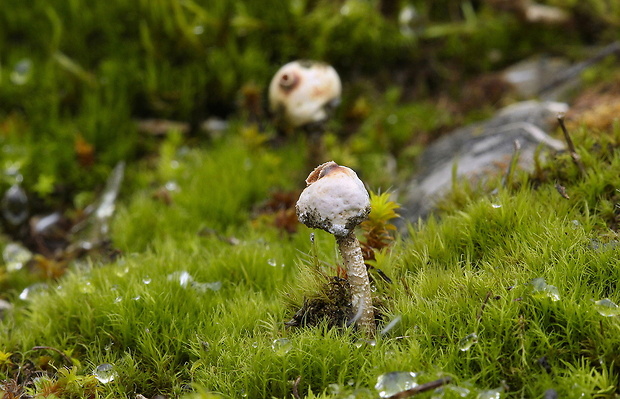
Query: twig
x,y
296,388
421,388
575,70
562,190
484,304
61,353
571,146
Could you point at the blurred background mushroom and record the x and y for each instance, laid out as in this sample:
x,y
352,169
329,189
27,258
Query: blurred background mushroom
x,y
302,96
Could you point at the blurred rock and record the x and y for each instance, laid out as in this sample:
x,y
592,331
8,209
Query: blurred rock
x,y
214,127
530,77
480,150
161,127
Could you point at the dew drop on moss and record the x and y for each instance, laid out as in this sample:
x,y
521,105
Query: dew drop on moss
x,y
540,289
607,308
15,256
27,293
281,346
22,72
466,343
451,391
15,205
390,384
490,394
105,373
87,288
365,342
183,277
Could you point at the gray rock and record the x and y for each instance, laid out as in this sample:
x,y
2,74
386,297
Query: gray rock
x,y
530,77
479,150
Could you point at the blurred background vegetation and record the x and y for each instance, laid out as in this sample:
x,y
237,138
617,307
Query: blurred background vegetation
x,y
75,75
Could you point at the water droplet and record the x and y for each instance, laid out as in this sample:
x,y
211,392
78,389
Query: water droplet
x,y
409,21
15,205
334,389
450,391
466,343
136,298
496,206
172,186
198,30
272,262
118,299
204,287
599,246
575,223
363,342
12,168
254,344
392,119
490,394
390,384
281,346
540,289
27,293
390,325
105,373
87,288
607,308
22,72
15,256
120,272
146,280
183,277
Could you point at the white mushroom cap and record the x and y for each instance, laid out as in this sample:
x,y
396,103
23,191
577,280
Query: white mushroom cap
x,y
335,200
303,91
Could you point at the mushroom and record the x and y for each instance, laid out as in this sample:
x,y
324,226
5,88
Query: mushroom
x,y
335,200
302,95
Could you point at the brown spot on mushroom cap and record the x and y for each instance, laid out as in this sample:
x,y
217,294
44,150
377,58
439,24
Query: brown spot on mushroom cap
x,y
289,81
320,171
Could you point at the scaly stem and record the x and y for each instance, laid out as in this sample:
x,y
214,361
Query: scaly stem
x,y
361,299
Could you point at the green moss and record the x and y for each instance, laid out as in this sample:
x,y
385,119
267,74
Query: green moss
x,y
190,205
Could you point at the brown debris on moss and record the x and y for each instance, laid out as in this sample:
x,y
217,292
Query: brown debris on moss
x,y
332,306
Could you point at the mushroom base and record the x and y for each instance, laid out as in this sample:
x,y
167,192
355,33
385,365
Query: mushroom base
x,y
331,306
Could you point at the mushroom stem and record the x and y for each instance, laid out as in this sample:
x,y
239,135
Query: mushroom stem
x,y
361,299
